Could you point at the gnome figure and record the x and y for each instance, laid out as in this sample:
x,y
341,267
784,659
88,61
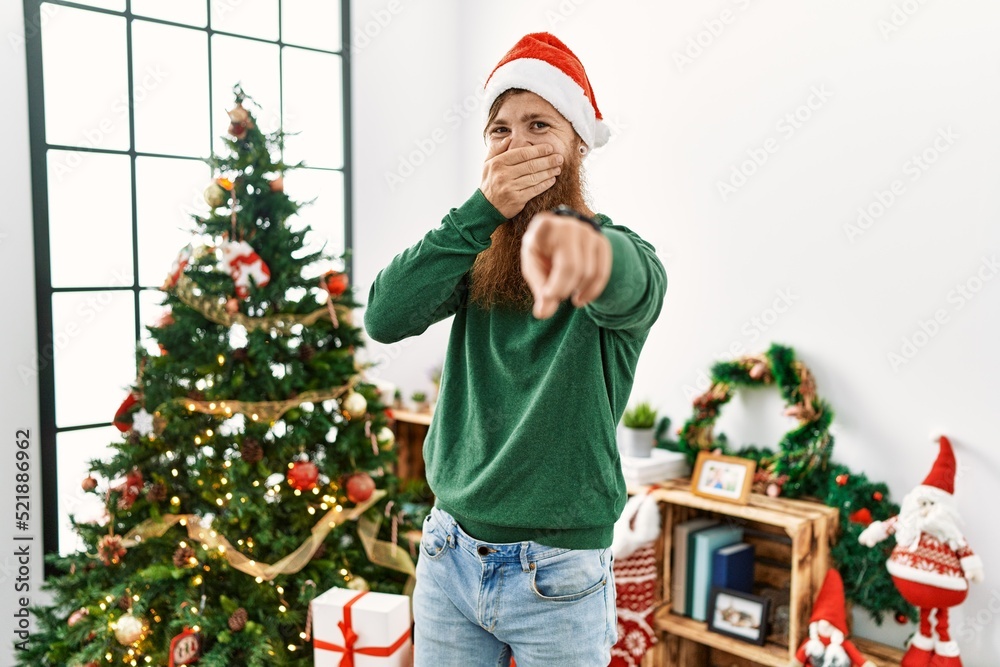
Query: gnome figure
x,y
828,645
931,564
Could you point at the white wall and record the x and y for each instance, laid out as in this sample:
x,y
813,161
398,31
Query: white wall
x,y
18,396
887,90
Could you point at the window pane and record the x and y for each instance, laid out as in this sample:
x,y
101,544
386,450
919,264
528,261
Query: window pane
x,y
326,214
114,5
86,80
151,309
255,66
191,12
253,18
168,192
94,334
90,219
73,451
170,88
314,23
313,107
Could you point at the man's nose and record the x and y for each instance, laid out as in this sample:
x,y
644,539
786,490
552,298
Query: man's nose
x,y
519,139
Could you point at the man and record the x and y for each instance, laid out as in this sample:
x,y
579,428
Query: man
x,y
551,314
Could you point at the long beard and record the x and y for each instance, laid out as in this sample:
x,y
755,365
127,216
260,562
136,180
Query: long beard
x,y
496,278
941,522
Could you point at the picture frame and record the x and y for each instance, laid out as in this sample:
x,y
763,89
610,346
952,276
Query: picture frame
x,y
738,615
726,478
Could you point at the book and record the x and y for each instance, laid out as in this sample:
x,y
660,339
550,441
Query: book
x,y
732,567
705,544
679,600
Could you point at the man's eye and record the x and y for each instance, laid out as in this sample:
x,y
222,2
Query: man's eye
x,y
499,130
540,125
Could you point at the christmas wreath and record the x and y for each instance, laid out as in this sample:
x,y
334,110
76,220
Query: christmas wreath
x,y
800,466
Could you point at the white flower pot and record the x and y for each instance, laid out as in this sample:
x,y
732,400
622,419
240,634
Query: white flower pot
x,y
637,442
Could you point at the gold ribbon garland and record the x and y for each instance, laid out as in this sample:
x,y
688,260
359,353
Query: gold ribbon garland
x,y
265,410
215,311
379,552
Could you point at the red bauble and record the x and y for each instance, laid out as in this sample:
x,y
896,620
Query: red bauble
x,y
842,480
878,496
335,283
278,184
302,475
901,618
360,487
862,516
89,483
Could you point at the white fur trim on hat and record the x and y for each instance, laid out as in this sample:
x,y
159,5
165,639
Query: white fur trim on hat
x,y
555,87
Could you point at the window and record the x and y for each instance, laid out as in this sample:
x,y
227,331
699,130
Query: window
x,y
127,97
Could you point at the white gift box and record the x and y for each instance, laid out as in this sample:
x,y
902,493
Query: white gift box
x,y
380,622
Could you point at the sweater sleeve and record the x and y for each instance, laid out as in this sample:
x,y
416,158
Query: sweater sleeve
x,y
427,282
633,297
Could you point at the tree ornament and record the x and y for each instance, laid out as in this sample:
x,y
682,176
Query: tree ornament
x,y
320,552
128,629
878,496
178,267
842,479
302,475
240,354
232,306
244,265
89,483
215,195
238,620
335,282
77,616
386,438
251,451
277,184
110,549
157,493
128,406
124,602
902,618
142,422
129,489
185,648
184,557
358,583
360,487
240,122
355,404
306,352
863,516
931,564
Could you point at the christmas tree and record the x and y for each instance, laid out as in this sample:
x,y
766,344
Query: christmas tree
x,y
254,470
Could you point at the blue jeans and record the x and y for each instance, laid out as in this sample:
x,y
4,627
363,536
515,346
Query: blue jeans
x,y
476,603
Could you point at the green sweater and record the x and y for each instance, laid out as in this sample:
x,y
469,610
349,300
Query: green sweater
x,y
522,444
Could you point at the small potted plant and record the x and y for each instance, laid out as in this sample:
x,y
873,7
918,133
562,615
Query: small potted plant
x,y
397,400
420,398
636,438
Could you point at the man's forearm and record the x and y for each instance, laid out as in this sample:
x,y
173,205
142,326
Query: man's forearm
x,y
423,284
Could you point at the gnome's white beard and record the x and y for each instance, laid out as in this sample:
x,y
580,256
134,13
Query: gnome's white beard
x,y
940,521
822,655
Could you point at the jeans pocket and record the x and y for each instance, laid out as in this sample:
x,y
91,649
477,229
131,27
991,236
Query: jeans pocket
x,y
435,539
570,576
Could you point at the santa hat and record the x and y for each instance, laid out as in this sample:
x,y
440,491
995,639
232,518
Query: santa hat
x,y
942,475
542,64
829,605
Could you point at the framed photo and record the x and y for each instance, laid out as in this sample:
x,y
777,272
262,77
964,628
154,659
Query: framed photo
x,y
723,477
738,615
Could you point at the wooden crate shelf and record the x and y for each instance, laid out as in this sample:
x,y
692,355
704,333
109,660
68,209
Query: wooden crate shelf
x,y
792,541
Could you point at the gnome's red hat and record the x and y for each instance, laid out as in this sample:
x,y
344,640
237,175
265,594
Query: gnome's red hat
x,y
542,64
942,475
829,605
